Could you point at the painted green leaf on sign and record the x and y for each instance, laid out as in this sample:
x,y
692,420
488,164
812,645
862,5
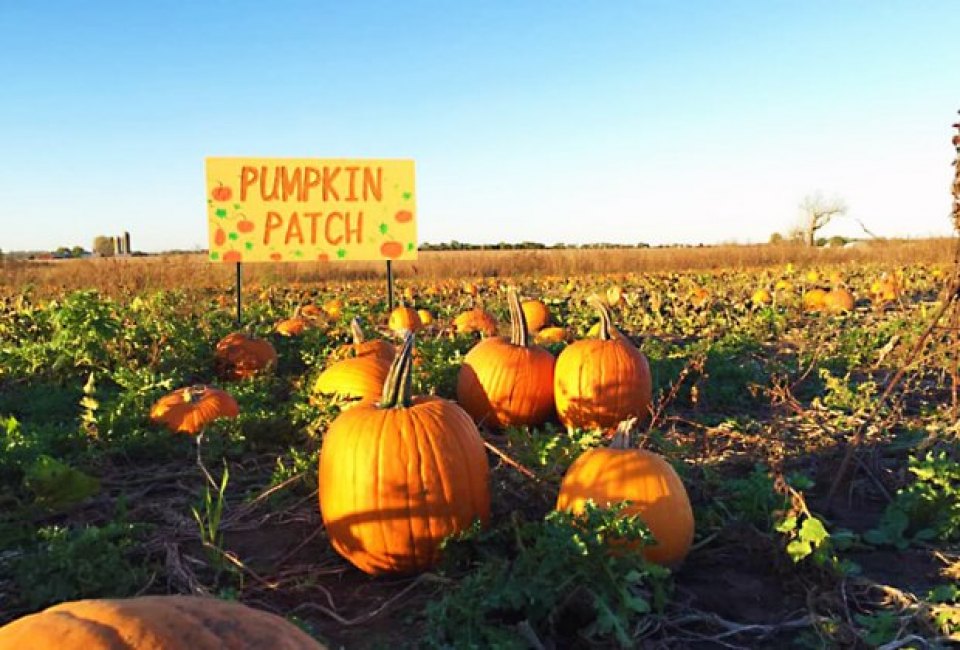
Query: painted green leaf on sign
x,y
221,212
214,255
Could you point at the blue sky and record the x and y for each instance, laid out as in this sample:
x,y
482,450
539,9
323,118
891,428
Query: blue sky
x,y
547,121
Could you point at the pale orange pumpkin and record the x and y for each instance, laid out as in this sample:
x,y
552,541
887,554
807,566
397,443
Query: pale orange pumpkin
x,y
610,475
398,477
507,382
239,356
600,382
189,410
153,623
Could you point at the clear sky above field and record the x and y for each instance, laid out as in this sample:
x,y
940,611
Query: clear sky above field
x,y
546,121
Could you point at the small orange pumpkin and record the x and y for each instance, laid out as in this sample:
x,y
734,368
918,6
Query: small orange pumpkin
x,y
838,300
403,320
600,382
536,314
375,347
239,356
814,299
154,623
398,477
551,335
189,410
507,382
476,320
609,475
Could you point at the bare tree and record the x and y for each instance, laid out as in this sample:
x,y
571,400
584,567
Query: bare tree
x,y
817,213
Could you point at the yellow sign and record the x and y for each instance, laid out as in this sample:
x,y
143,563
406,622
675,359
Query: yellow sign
x,y
301,210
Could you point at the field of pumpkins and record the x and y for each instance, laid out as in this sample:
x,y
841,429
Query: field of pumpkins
x,y
623,460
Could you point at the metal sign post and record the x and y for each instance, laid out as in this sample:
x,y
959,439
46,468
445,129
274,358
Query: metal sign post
x,y
390,285
239,299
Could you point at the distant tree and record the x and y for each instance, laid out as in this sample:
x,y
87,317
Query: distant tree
x,y
817,212
77,251
776,238
103,246
837,242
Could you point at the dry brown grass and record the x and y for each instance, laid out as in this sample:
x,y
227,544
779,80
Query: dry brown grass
x,y
132,275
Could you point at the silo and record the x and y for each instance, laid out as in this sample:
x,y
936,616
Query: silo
x,y
126,243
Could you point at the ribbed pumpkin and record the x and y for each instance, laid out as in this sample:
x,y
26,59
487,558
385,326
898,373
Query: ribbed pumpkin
x,y
357,378
239,356
374,347
153,623
537,315
600,382
507,382
397,477
476,320
609,475
404,319
189,410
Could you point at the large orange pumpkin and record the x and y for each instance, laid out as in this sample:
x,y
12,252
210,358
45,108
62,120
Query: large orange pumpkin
x,y
189,410
153,623
600,382
357,378
609,475
239,356
507,382
398,477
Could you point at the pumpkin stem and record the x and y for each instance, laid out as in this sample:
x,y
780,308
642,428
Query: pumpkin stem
x,y
398,387
607,330
621,438
518,321
356,331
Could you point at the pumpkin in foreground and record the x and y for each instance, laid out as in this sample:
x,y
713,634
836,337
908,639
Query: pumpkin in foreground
x,y
154,623
609,475
507,381
398,477
601,382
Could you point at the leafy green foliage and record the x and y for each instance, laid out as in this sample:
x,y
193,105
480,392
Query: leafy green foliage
x,y
927,509
90,562
565,576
